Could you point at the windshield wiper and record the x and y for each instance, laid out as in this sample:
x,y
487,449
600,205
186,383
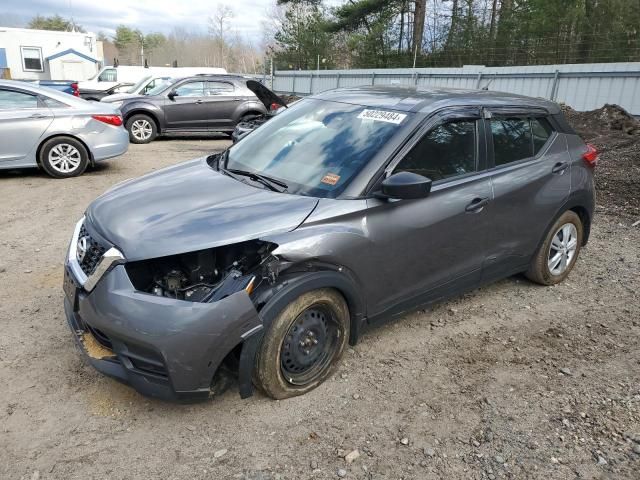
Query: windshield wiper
x,y
268,182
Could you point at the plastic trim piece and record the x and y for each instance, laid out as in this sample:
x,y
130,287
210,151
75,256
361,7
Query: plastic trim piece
x,y
111,257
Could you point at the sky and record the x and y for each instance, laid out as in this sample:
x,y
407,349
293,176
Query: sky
x,y
146,15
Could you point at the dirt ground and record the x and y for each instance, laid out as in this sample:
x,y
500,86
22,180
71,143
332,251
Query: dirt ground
x,y
509,381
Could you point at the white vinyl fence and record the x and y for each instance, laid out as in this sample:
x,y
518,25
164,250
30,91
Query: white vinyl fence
x,y
581,86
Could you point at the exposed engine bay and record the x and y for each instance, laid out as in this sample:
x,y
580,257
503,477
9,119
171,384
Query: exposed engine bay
x,y
206,275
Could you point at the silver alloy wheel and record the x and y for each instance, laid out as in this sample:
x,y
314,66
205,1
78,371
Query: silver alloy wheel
x,y
562,249
64,158
141,129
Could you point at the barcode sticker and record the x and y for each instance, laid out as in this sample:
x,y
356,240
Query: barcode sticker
x,y
382,116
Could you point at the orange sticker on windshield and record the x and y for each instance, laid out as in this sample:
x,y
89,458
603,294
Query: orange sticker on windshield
x,y
330,179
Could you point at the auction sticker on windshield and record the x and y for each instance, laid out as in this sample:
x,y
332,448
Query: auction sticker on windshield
x,y
382,116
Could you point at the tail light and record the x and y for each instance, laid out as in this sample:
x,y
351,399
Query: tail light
x,y
591,155
74,87
115,120
274,106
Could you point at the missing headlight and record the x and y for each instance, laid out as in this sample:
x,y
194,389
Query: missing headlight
x,y
202,276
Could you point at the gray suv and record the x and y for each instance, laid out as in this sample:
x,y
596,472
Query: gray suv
x,y
200,104
349,208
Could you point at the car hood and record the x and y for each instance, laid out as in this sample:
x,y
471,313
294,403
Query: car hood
x,y
115,97
266,96
191,207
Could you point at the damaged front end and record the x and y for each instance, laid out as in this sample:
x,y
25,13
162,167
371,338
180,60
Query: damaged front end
x,y
206,275
176,327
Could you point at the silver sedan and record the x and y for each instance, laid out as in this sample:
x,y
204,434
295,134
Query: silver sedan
x,y
55,131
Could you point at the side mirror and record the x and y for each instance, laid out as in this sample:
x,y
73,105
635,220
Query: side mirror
x,y
172,94
406,186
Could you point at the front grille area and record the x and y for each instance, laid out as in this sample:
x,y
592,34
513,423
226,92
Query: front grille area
x,y
93,252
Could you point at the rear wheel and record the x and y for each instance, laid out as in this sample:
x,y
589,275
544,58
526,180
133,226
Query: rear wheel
x,y
63,157
303,345
559,252
142,128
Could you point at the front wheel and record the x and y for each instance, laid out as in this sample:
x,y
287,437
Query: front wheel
x,y
559,251
303,345
141,128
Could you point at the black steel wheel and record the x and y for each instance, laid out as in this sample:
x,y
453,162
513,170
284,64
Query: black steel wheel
x,y
303,344
309,345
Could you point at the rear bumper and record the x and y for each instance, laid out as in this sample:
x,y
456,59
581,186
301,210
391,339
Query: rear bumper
x,y
164,348
111,142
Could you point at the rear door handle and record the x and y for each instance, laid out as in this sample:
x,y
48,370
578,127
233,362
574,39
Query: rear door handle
x,y
477,204
198,102
559,167
38,115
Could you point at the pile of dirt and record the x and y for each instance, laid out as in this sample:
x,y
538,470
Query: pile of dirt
x,y
616,135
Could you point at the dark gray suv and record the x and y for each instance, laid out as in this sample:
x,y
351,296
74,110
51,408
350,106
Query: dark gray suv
x,y
201,104
351,207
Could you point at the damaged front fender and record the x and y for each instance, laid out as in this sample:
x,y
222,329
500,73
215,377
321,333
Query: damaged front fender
x,y
186,341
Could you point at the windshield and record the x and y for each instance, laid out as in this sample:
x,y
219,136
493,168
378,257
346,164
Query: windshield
x,y
161,85
137,86
316,147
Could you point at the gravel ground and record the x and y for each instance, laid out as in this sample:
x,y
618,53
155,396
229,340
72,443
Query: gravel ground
x,y
509,381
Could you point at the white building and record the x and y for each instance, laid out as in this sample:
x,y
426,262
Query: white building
x,y
27,54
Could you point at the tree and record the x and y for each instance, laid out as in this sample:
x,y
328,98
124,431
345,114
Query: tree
x,y
303,38
218,28
418,25
133,45
54,22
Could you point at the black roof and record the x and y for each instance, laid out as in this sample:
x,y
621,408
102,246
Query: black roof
x,y
422,99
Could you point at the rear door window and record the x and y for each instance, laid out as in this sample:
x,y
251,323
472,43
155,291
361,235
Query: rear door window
x,y
511,140
10,100
218,88
447,150
516,139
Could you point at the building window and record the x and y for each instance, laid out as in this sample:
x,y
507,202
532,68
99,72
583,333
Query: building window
x,y
32,59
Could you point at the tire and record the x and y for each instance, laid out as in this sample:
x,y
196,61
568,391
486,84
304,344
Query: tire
x,y
558,253
63,157
248,117
319,316
142,128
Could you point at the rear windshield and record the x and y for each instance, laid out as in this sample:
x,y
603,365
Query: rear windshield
x,y
317,147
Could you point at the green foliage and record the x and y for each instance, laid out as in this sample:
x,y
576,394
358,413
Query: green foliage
x,y
126,37
302,38
54,22
387,33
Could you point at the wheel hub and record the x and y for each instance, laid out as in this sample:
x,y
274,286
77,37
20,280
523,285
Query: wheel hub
x,y
562,249
308,346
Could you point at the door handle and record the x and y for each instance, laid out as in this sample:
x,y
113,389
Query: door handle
x,y
198,102
38,115
477,204
559,167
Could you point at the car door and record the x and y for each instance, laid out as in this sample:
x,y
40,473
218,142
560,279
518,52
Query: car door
x,y
530,173
186,108
221,101
427,248
23,121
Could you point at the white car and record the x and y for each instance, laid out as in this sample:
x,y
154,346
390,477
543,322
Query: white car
x,y
109,77
60,133
143,87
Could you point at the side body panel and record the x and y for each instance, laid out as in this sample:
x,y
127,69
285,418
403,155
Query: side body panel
x,y
527,195
420,245
20,134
